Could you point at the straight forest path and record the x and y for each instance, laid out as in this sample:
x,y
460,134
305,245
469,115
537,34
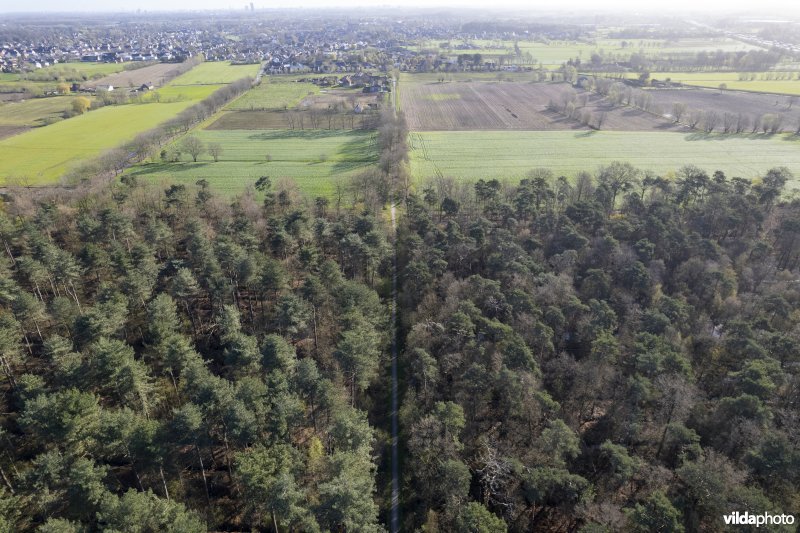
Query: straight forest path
x,y
394,521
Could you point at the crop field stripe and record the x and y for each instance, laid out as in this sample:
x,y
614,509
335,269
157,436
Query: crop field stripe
x,y
41,155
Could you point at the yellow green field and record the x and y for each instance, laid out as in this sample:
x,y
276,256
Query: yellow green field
x,y
732,81
316,160
42,155
555,53
180,93
472,155
215,72
274,92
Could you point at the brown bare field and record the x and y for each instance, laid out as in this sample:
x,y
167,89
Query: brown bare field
x,y
155,74
499,105
747,103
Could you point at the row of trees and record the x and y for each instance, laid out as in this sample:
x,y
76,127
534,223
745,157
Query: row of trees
x,y
150,143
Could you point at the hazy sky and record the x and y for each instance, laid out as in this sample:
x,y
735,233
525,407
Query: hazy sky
x,y
773,6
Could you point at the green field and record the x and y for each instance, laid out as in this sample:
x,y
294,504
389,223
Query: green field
x,y
86,70
41,156
472,155
34,112
732,81
555,53
274,93
215,72
180,93
315,160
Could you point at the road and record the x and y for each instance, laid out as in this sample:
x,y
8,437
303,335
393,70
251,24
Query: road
x,y
394,521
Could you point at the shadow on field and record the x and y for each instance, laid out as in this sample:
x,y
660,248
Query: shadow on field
x,y
701,136
274,135
584,134
158,168
355,153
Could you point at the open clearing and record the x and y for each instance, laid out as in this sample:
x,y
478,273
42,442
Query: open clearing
x,y
216,72
471,155
315,160
40,156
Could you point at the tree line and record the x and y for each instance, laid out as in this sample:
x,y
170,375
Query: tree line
x,y
150,143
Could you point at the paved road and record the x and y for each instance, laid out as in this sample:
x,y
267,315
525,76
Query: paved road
x,y
394,522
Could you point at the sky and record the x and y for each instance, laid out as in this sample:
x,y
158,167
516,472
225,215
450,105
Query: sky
x,y
666,6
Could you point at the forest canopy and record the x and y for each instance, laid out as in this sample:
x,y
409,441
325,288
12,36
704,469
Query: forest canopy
x,y
617,352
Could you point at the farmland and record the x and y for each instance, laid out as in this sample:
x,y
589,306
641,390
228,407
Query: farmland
x,y
216,72
155,74
280,102
40,156
274,93
48,78
554,53
732,81
179,93
34,112
315,160
471,155
507,105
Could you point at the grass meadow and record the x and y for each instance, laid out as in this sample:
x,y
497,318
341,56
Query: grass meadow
x,y
472,155
274,93
34,112
732,81
316,160
215,72
40,156
554,53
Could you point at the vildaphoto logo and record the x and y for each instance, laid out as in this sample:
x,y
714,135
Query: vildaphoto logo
x,y
758,520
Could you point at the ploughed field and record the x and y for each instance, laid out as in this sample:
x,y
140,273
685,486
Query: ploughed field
x,y
487,105
749,104
155,74
519,105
